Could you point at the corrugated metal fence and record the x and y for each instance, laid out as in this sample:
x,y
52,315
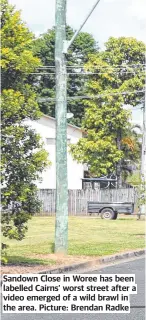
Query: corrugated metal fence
x,y
77,199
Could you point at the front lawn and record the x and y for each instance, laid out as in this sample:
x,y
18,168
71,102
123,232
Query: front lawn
x,y
91,237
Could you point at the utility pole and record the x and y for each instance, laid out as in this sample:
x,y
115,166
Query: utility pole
x,y
61,226
61,49
143,156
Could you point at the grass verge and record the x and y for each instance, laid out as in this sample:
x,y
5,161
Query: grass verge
x,y
88,236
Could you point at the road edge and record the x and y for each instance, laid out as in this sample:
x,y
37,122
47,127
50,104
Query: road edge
x,y
91,263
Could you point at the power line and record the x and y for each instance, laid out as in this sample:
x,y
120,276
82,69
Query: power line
x,y
95,96
101,67
85,73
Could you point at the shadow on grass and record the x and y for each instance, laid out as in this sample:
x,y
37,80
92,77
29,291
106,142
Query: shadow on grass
x,y
53,247
26,261
127,218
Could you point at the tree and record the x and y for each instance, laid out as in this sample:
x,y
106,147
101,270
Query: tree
x,y
98,148
116,70
131,146
78,55
23,158
127,56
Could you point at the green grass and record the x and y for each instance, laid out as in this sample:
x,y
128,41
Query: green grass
x,y
87,236
28,261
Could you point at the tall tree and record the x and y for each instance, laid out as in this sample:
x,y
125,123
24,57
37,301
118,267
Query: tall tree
x,y
104,117
117,79
77,56
127,56
23,158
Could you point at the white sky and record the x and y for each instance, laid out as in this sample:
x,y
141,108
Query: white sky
x,y
111,18
137,115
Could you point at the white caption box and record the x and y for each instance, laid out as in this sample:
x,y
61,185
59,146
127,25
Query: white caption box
x,y
90,293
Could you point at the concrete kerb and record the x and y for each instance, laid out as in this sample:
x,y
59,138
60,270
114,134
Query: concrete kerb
x,y
99,261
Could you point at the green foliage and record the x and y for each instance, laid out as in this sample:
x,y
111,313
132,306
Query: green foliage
x,y
131,146
16,53
23,158
142,194
78,54
129,55
134,179
4,258
140,185
126,50
98,149
106,123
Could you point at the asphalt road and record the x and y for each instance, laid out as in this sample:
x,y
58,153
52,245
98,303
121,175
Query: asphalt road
x,y
136,266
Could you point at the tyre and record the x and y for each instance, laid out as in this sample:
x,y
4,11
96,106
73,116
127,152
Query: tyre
x,y
115,217
108,214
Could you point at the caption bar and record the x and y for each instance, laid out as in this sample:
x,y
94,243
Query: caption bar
x,y
82,293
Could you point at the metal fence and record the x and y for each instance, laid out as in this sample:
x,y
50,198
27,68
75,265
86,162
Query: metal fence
x,y
77,199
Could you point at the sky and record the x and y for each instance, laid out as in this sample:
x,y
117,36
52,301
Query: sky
x,y
136,114
111,18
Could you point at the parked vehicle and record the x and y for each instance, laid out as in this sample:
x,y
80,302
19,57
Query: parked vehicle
x,y
110,210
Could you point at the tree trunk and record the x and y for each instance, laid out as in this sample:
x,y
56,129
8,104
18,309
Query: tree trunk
x,y
119,164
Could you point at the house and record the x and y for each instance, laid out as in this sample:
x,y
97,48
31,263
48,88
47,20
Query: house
x,y
46,127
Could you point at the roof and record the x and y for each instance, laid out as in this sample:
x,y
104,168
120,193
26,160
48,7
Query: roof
x,y
70,125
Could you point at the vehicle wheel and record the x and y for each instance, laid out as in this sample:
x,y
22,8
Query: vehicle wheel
x,y
108,214
115,217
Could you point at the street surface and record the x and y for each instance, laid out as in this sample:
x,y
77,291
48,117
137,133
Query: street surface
x,y
136,266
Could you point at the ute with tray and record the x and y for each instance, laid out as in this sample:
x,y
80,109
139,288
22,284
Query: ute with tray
x,y
110,210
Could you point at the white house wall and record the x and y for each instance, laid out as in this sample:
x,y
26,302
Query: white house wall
x,y
46,128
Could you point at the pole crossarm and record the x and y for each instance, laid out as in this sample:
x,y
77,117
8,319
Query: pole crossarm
x,y
67,44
